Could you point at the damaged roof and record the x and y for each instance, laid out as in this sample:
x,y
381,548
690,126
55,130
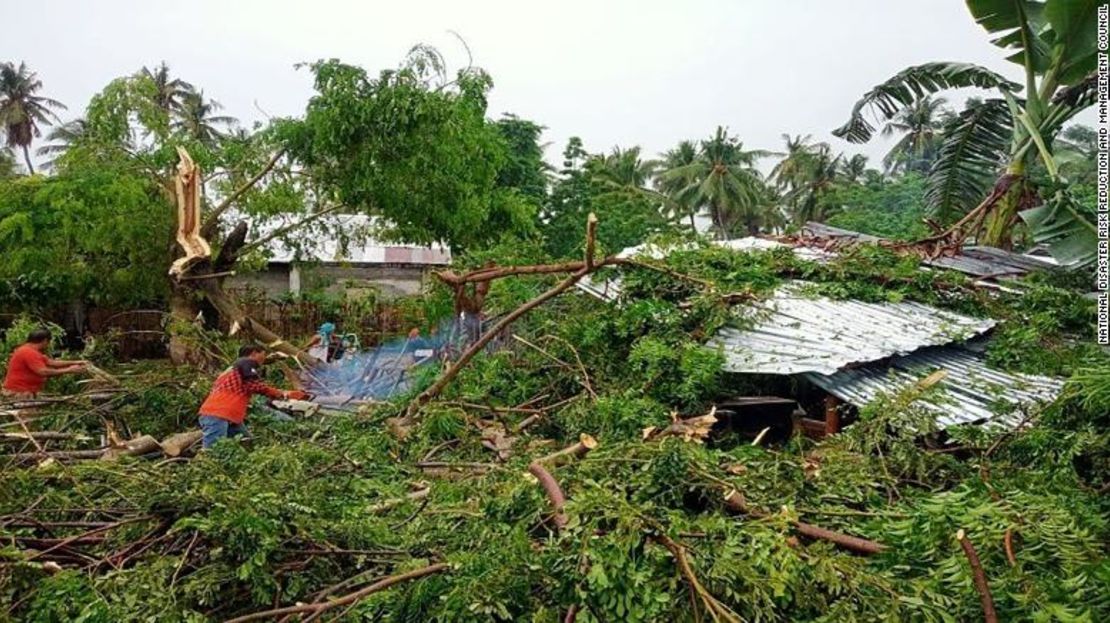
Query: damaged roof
x,y
856,350
970,393
981,262
794,333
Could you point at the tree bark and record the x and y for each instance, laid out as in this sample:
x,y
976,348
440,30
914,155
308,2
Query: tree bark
x,y
176,445
554,493
979,577
27,159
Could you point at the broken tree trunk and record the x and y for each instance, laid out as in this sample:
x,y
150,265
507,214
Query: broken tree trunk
x,y
187,192
197,269
734,501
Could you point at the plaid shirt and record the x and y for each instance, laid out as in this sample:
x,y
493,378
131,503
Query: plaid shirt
x,y
231,395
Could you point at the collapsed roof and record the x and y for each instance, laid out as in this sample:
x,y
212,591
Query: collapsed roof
x,y
857,350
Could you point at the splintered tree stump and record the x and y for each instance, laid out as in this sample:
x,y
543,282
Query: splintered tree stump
x,y
176,445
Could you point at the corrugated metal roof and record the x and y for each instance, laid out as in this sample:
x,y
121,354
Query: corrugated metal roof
x,y
363,248
794,333
970,393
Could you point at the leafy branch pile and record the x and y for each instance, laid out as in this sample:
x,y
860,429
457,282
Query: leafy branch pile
x,y
451,523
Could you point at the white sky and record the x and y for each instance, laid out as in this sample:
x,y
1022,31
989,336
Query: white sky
x,y
646,73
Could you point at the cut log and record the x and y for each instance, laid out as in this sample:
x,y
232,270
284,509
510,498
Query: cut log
x,y
144,444
176,445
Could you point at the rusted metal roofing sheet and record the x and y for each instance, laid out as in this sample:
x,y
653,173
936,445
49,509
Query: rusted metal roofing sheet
x,y
970,393
795,333
982,262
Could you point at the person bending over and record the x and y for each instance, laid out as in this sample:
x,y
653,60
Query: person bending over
x,y
29,367
225,409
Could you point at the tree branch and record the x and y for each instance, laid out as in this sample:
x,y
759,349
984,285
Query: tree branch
x,y
979,577
209,228
350,598
281,231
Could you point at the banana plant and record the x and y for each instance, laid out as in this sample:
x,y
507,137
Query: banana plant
x,y
986,153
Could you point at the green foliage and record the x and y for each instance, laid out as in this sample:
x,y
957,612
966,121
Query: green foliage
x,y
419,154
524,168
610,187
893,209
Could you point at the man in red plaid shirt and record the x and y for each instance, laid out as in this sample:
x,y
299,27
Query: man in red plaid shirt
x,y
224,410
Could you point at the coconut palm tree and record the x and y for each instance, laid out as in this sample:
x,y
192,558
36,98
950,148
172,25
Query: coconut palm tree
x,y
195,118
21,111
795,166
919,126
622,168
819,174
853,169
169,92
984,158
684,154
62,138
724,180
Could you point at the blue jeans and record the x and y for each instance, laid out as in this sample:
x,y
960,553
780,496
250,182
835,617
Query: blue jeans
x,y
215,429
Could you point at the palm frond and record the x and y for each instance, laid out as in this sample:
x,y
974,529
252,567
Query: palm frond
x,y
1067,230
973,146
911,84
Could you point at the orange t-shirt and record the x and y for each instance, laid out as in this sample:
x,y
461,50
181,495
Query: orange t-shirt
x,y
231,395
23,370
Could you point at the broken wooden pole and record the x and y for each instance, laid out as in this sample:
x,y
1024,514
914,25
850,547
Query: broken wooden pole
x,y
734,501
832,415
979,577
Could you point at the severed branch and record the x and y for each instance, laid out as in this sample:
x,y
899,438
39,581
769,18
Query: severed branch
x,y
315,609
554,493
979,577
578,450
717,610
456,366
734,501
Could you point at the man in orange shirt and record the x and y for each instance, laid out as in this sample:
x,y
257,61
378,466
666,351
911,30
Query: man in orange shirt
x,y
29,367
224,410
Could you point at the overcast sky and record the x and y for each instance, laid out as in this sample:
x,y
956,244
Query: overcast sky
x,y
625,73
